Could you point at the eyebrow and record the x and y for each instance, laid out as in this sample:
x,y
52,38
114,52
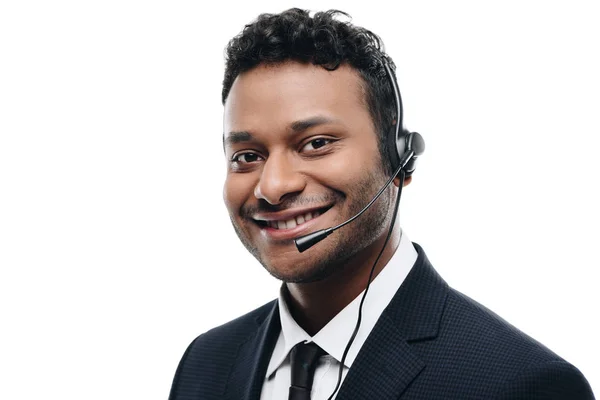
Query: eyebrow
x,y
302,125
235,137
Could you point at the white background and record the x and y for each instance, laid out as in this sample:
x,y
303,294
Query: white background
x,y
116,249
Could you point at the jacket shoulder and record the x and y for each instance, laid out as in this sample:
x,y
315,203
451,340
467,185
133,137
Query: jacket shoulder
x,y
237,330
479,347
491,334
550,380
227,337
206,362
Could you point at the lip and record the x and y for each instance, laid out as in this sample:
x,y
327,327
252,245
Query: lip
x,y
288,234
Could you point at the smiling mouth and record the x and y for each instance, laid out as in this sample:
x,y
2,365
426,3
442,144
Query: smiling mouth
x,y
292,222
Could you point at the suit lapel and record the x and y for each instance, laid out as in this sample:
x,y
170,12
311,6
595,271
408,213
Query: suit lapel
x,y
384,367
248,372
387,363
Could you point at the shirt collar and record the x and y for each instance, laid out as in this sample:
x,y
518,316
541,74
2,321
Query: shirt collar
x,y
334,336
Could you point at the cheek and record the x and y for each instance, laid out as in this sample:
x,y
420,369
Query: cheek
x,y
236,191
347,170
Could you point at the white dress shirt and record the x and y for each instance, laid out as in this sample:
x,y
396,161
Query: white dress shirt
x,y
334,336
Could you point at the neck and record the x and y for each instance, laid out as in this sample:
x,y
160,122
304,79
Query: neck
x,y
314,304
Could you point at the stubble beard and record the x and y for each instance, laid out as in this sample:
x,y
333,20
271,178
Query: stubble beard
x,y
337,253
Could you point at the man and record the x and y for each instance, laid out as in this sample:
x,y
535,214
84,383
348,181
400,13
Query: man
x,y
310,108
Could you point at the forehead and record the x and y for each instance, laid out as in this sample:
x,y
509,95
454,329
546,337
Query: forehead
x,y
273,95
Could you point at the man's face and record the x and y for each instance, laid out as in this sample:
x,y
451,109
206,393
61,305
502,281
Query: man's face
x,y
302,155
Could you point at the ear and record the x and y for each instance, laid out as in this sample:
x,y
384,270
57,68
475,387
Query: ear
x,y
407,180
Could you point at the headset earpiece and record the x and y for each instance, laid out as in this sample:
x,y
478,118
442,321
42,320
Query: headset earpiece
x,y
398,146
412,141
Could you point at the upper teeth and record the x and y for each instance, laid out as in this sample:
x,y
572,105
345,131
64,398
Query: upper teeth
x,y
293,222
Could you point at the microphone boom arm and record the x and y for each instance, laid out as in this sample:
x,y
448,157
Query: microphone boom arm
x,y
307,241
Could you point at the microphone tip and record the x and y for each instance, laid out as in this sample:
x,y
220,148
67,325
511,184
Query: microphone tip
x,y
307,241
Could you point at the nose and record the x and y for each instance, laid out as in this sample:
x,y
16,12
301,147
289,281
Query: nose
x,y
278,180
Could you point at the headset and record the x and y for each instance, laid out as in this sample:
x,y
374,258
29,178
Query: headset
x,y
404,147
401,141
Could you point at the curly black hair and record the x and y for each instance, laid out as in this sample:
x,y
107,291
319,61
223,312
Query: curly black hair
x,y
321,40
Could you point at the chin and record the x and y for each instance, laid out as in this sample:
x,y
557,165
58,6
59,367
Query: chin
x,y
295,270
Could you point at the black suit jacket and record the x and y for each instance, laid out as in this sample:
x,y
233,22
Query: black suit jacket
x,y
431,342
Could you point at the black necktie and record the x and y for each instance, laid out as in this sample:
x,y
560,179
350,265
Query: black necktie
x,y
303,358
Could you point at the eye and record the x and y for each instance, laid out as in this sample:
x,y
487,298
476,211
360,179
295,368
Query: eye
x,y
245,158
316,144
